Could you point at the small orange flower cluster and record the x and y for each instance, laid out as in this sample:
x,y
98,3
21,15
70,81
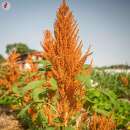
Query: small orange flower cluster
x,y
98,122
32,113
124,80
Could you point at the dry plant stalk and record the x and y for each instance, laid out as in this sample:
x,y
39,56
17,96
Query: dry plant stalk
x,y
64,51
82,119
99,122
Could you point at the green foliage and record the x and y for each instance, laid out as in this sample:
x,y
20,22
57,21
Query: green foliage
x,y
53,84
109,97
106,103
7,100
38,92
44,65
34,86
112,81
84,79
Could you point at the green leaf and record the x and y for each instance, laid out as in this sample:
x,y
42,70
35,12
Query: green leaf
x,y
53,84
32,85
7,100
84,79
22,113
41,119
46,65
17,90
101,111
57,120
36,94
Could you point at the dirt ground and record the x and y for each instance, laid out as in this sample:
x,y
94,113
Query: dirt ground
x,y
8,120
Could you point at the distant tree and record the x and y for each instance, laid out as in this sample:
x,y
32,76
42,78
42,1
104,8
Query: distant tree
x,y
19,47
2,59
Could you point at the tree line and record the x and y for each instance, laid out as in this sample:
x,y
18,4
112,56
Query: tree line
x,y
20,48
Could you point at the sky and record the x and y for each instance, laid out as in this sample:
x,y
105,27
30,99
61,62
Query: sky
x,y
105,24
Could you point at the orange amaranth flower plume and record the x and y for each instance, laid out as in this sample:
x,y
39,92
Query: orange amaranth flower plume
x,y
64,51
12,71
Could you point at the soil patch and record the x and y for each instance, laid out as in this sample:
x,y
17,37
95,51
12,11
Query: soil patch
x,y
8,120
